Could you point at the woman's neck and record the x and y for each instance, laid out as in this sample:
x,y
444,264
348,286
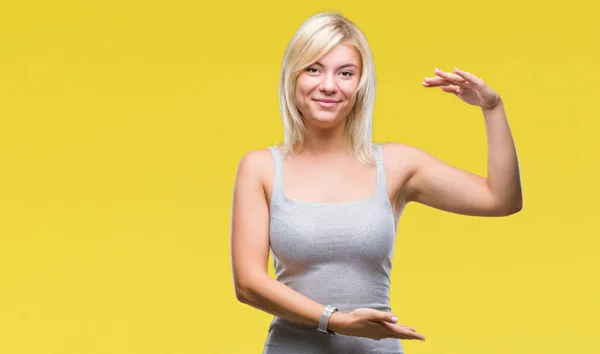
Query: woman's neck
x,y
319,141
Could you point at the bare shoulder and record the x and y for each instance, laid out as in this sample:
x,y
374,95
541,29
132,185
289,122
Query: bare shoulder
x,y
255,170
255,161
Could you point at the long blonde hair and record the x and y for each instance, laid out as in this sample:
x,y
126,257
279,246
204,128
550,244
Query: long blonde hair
x,y
314,39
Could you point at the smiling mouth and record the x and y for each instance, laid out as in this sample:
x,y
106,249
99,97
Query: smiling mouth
x,y
320,100
326,103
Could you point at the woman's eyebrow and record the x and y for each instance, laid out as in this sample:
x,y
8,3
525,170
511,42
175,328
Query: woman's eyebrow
x,y
340,67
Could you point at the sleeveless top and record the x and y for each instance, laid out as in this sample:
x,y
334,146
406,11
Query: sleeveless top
x,y
333,253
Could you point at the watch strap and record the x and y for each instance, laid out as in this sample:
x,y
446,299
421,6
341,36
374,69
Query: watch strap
x,y
324,320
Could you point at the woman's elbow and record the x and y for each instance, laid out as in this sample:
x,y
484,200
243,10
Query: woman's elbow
x,y
510,208
518,207
244,289
242,294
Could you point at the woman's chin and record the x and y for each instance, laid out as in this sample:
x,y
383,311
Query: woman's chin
x,y
326,120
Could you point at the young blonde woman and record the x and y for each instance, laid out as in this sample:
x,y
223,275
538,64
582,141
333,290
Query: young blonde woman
x,y
327,202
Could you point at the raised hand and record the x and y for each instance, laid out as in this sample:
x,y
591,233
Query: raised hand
x,y
372,324
465,86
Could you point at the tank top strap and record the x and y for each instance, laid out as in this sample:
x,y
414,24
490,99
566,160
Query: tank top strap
x,y
277,192
381,181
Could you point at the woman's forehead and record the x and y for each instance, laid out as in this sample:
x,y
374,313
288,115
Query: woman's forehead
x,y
342,54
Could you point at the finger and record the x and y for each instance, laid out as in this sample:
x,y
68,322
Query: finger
x,y
412,335
391,318
409,328
435,81
384,316
470,78
411,338
453,78
403,332
451,89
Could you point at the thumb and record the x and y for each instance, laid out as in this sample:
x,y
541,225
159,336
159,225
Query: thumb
x,y
388,317
450,89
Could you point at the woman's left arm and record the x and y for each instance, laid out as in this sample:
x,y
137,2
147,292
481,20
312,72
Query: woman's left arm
x,y
444,187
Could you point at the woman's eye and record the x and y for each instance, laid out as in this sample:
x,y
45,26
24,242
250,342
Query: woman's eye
x,y
347,73
312,70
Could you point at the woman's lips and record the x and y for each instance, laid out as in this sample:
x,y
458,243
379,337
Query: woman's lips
x,y
325,102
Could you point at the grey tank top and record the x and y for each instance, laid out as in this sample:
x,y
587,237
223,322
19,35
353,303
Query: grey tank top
x,y
333,253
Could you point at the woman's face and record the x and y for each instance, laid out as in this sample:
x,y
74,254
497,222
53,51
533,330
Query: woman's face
x,y
326,90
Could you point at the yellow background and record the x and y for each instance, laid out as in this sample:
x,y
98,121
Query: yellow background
x,y
122,123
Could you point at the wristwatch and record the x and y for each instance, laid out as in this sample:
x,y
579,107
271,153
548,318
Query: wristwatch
x,y
324,321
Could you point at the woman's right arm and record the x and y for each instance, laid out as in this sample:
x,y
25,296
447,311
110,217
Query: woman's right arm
x,y
250,255
250,248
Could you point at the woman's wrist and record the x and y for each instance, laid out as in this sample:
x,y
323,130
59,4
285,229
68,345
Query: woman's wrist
x,y
337,322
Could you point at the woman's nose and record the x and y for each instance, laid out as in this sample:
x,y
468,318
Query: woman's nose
x,y
328,84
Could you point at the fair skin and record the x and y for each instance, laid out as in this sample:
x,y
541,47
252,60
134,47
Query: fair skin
x,y
325,93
